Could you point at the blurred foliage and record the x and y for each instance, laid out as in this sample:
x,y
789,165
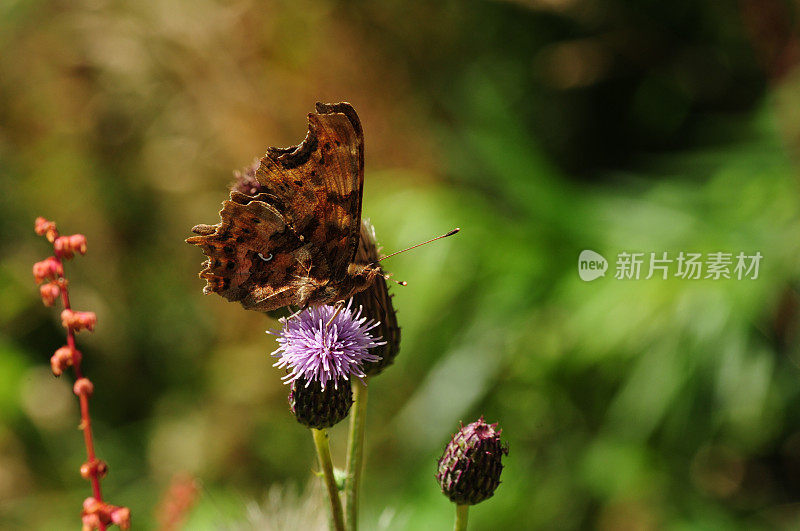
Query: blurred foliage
x,y
541,127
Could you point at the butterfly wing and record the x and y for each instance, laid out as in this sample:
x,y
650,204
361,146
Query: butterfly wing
x,y
318,186
297,232
251,234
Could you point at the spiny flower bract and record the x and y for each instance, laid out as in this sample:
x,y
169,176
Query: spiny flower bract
x,y
469,470
319,344
317,408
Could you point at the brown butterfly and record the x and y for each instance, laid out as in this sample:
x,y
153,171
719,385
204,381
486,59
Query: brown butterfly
x,y
289,233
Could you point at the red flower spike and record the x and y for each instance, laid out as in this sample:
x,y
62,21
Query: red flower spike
x,y
92,513
177,502
78,243
67,318
50,293
91,505
63,358
96,468
83,387
90,522
48,269
67,246
77,321
122,517
44,227
96,514
57,366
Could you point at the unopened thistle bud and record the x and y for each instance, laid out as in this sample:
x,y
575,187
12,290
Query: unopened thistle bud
x,y
469,470
376,303
318,408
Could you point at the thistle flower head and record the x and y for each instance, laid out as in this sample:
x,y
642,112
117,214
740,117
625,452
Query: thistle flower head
x,y
245,181
326,344
469,469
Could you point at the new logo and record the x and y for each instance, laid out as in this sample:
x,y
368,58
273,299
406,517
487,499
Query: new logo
x,y
591,265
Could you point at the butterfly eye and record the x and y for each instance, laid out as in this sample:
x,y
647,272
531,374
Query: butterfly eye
x,y
265,258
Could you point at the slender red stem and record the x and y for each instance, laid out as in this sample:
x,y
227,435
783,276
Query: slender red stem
x,y
86,420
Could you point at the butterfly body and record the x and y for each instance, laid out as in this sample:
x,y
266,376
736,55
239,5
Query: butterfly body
x,y
289,233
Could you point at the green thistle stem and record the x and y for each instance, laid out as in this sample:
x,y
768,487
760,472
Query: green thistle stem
x,y
355,451
324,455
461,518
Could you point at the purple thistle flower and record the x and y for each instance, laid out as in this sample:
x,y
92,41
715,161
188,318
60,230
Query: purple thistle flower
x,y
316,348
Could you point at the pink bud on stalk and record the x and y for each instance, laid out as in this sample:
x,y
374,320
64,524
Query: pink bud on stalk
x,y
95,467
96,513
63,358
50,293
44,227
77,321
83,387
48,269
67,246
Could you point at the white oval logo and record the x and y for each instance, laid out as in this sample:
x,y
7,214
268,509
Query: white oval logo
x,y
591,265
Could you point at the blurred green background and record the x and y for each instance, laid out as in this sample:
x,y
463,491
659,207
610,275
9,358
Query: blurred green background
x,y
541,128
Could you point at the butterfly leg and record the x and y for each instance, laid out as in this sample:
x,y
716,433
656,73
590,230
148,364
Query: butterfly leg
x,y
339,306
306,289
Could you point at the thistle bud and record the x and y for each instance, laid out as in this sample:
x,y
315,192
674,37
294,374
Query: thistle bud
x,y
376,303
469,469
318,408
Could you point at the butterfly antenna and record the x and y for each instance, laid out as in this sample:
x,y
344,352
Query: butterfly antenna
x,y
400,282
454,231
